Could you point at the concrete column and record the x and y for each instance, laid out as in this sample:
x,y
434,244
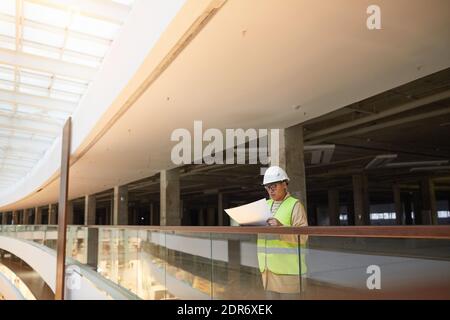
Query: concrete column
x,y
351,213
408,208
181,211
333,206
92,247
234,264
52,214
398,204
417,208
312,215
15,217
291,158
210,216
220,212
152,212
38,216
120,209
90,206
26,216
70,212
361,199
201,217
170,197
429,212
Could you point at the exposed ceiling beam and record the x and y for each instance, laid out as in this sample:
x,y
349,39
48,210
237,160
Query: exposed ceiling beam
x,y
6,179
37,101
6,174
416,163
13,169
100,9
16,145
29,126
31,117
54,29
383,125
74,97
437,168
35,139
47,65
390,112
17,163
20,155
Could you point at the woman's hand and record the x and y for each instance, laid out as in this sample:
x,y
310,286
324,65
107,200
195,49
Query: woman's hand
x,y
274,222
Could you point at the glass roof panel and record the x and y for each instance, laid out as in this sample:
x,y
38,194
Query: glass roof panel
x,y
51,36
95,27
44,37
85,62
68,87
58,115
7,29
40,52
87,47
6,86
33,90
6,74
45,14
8,7
7,45
40,81
124,2
6,106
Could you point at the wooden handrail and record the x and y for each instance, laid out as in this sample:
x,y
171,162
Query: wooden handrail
x,y
413,232
427,232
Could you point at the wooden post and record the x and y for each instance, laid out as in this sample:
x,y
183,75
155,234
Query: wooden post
x,y
62,211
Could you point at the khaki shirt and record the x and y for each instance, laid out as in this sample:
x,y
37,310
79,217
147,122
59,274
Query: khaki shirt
x,y
287,283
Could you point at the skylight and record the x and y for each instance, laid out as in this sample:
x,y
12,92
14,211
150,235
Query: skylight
x,y
49,52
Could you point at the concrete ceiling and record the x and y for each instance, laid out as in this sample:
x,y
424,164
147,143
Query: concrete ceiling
x,y
250,66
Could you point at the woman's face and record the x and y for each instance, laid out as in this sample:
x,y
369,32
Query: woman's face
x,y
277,191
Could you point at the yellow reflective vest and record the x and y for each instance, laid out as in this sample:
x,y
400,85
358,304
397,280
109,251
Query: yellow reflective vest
x,y
278,256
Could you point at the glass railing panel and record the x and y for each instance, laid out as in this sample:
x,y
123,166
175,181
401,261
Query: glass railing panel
x,y
151,265
154,264
377,268
106,261
256,266
128,260
51,237
188,265
76,243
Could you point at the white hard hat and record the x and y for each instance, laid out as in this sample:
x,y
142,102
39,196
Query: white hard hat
x,y
275,174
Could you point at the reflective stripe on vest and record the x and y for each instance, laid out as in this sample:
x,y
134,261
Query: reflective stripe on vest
x,y
278,256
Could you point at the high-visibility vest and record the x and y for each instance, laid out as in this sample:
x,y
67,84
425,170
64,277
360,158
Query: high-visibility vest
x,y
275,255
